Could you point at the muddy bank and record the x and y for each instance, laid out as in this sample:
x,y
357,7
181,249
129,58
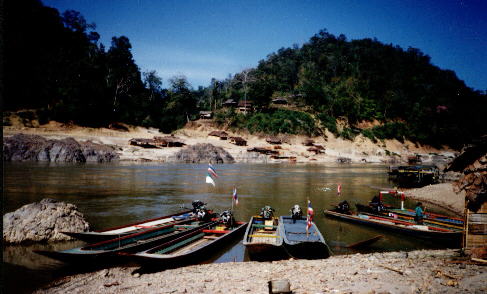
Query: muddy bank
x,y
426,271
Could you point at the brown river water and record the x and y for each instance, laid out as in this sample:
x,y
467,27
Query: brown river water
x,y
119,193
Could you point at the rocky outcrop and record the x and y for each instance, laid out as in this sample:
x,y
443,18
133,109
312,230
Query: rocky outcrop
x,y
203,153
43,221
21,147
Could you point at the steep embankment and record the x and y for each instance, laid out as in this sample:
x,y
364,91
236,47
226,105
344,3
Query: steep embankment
x,y
361,149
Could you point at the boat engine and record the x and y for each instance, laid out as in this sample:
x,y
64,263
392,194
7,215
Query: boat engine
x,y
267,212
203,214
227,218
296,212
376,205
197,204
343,207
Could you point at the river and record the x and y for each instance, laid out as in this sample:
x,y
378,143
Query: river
x,y
118,193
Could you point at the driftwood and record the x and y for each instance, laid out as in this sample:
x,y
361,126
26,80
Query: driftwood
x,y
392,269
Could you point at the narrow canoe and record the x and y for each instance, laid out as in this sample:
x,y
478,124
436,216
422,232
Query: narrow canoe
x,y
302,244
440,235
263,239
189,248
120,231
130,243
408,214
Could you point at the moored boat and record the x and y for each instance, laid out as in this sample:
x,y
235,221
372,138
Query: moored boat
x,y
444,236
302,243
120,231
263,239
124,230
130,243
408,214
190,248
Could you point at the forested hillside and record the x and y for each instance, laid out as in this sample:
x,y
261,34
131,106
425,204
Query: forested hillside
x,y
55,63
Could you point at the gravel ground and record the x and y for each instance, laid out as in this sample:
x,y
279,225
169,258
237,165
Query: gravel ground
x,y
425,271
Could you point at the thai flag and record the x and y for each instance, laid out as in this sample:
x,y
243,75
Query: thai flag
x,y
211,175
309,217
235,197
211,171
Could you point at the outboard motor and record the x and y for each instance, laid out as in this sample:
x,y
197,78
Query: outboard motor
x,y
197,204
267,212
344,207
227,218
376,205
296,213
202,214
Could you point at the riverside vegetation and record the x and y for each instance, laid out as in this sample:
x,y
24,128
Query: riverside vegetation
x,y
73,77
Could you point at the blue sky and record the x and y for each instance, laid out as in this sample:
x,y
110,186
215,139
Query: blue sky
x,y
205,39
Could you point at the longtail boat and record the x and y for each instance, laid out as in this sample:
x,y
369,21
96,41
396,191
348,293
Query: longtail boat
x,y
302,243
120,231
447,236
263,239
130,243
408,214
189,248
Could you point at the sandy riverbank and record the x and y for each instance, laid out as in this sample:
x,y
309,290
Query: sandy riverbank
x,y
360,149
431,271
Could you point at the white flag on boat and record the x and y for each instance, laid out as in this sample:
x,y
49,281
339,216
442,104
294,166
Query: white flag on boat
x,y
211,175
209,180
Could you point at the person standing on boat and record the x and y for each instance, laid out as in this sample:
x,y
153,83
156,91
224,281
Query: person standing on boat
x,y
419,213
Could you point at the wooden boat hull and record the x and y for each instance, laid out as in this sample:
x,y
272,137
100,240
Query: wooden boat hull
x,y
125,230
300,244
263,248
193,252
409,214
443,237
131,243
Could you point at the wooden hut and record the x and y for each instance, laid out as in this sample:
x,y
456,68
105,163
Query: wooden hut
x,y
221,134
142,142
229,103
472,162
273,140
239,141
308,142
206,114
169,141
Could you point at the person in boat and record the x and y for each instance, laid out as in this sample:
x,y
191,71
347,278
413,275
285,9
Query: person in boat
x,y
296,213
418,217
343,207
267,212
376,205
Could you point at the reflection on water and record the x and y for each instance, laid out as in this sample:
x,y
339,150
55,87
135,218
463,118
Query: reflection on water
x,y
117,193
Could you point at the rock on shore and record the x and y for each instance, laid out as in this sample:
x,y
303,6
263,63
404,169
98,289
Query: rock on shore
x,y
21,147
43,221
203,153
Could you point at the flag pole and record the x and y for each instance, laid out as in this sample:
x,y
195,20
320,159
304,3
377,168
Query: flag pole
x,y
307,217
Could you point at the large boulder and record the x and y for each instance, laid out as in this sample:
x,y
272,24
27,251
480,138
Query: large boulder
x,y
21,147
203,153
43,221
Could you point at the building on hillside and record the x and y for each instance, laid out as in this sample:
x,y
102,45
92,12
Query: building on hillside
x,y
279,101
245,106
220,134
206,114
229,103
169,141
239,141
273,140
